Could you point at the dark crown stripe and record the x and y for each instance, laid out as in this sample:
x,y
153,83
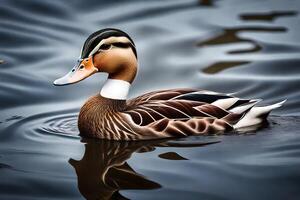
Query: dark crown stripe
x,y
96,37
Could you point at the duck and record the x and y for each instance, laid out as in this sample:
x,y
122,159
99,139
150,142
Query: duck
x,y
159,114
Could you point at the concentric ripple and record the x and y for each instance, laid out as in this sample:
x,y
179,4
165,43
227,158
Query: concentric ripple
x,y
36,127
65,124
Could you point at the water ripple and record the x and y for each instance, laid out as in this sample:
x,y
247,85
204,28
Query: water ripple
x,y
39,126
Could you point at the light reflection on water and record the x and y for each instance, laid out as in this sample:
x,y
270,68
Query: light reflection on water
x,y
251,48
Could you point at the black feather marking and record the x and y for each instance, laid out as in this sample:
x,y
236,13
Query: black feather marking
x,y
208,98
238,103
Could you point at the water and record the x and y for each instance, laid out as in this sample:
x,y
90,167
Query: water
x,y
248,47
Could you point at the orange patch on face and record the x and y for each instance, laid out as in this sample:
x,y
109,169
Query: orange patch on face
x,y
82,70
85,69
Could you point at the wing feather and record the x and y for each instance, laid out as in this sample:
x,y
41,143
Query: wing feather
x,y
181,105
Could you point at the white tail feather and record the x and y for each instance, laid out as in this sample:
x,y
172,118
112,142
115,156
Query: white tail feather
x,y
242,108
255,115
225,103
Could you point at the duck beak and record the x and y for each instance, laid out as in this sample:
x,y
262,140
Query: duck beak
x,y
83,69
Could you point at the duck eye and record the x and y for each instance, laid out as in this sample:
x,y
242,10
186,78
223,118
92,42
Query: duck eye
x,y
104,47
81,67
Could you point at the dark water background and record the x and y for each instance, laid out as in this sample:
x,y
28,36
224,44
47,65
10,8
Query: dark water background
x,y
248,47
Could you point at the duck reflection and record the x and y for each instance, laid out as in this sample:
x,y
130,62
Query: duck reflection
x,y
103,170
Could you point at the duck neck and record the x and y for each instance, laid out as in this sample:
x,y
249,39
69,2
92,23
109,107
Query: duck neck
x,y
115,89
119,81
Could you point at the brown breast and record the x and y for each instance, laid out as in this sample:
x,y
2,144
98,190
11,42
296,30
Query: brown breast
x,y
95,114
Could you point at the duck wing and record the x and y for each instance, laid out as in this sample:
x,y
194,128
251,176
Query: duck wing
x,y
186,104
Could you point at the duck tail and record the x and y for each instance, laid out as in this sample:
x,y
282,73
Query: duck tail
x,y
256,115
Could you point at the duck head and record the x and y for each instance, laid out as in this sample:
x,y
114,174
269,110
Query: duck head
x,y
107,50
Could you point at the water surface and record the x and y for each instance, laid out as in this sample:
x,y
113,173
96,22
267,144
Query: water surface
x,y
250,48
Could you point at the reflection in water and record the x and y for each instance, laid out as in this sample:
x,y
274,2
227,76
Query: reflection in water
x,y
103,170
231,35
219,66
171,156
206,2
270,16
5,166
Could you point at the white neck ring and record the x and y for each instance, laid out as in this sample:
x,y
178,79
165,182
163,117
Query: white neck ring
x,y
115,89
